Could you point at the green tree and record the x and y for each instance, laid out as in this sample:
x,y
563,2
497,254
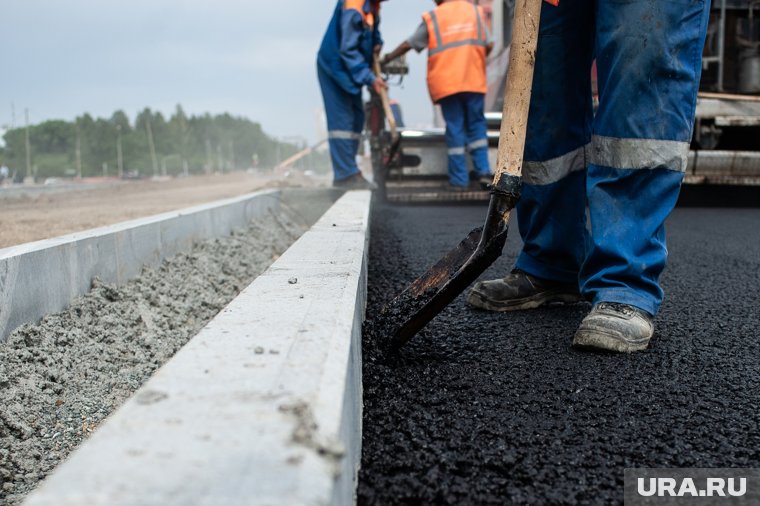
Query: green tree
x,y
202,142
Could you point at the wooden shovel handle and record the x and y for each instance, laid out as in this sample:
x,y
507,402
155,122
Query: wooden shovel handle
x,y
386,102
522,60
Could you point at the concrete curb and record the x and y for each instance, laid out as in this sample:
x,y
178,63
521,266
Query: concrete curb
x,y
262,407
43,277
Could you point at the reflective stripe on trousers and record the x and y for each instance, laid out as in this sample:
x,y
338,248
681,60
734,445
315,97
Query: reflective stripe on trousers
x,y
343,134
609,152
627,162
466,130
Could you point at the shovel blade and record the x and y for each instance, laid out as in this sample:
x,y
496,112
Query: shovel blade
x,y
408,313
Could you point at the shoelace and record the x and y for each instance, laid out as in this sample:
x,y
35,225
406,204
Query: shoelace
x,y
619,307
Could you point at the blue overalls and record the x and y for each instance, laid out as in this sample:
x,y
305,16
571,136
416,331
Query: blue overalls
x,y
344,64
466,131
627,162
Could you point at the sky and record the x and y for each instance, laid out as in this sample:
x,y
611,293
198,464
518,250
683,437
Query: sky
x,y
255,58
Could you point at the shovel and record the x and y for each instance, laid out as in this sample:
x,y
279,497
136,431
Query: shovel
x,y
395,137
430,293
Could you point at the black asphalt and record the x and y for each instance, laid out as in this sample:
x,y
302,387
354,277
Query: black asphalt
x,y
486,408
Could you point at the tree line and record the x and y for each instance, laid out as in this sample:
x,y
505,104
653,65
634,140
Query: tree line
x,y
151,145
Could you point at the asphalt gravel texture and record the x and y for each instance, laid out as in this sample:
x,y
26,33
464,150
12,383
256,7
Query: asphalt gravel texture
x,y
497,408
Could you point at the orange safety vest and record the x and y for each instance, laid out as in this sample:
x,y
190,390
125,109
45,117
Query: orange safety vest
x,y
457,42
358,5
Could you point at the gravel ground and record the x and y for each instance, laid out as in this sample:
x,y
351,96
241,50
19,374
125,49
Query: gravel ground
x,y
60,378
485,408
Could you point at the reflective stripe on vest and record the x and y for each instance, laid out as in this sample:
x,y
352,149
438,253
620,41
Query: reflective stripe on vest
x,y
457,45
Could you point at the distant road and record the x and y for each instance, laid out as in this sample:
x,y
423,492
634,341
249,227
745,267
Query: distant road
x,y
30,191
40,212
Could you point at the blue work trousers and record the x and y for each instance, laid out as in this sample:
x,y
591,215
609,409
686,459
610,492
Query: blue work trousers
x,y
598,188
345,121
466,131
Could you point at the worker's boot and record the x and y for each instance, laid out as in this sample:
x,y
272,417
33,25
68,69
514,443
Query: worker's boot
x,y
355,182
485,181
480,182
455,188
519,290
611,326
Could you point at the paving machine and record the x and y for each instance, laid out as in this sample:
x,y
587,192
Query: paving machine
x,y
725,147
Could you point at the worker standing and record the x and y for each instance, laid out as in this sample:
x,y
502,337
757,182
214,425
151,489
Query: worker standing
x,y
598,188
344,67
458,42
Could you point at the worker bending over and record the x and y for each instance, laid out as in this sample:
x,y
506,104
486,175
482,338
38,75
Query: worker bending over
x,y
344,67
598,188
458,42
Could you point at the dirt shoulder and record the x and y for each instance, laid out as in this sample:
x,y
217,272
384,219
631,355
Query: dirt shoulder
x,y
42,215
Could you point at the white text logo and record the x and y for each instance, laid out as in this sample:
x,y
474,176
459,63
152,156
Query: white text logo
x,y
714,487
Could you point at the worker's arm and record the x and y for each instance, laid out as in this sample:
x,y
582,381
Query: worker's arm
x,y
489,41
352,27
418,41
401,50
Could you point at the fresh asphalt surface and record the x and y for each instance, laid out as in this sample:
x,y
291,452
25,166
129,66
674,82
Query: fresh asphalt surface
x,y
497,408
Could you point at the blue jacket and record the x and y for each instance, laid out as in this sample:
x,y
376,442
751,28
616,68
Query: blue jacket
x,y
347,48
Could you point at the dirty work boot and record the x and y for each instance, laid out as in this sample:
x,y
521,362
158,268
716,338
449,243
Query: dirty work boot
x,y
519,290
455,188
355,182
611,326
486,180
480,182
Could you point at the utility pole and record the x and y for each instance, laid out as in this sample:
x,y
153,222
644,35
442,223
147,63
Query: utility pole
x,y
119,156
219,159
232,155
28,147
209,162
79,152
183,142
151,145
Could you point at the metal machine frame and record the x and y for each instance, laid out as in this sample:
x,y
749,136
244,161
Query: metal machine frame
x,y
417,171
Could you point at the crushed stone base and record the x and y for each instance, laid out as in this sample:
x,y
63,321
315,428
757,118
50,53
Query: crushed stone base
x,y
61,377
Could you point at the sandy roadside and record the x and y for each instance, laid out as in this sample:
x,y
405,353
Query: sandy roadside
x,y
47,215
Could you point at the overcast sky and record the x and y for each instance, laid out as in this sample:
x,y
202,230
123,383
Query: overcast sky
x,y
252,58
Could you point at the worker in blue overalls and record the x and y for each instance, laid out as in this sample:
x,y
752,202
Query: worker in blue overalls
x,y
344,67
598,188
